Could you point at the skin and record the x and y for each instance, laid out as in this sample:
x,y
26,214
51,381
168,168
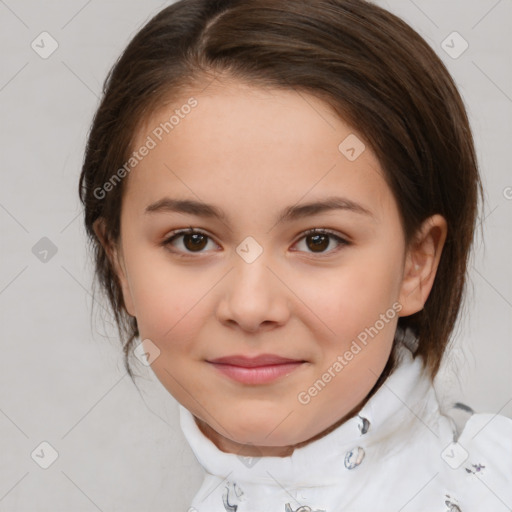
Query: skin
x,y
253,152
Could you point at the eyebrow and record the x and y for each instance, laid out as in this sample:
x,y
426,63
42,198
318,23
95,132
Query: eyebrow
x,y
288,214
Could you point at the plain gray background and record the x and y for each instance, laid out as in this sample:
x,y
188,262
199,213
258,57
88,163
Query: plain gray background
x,y
62,380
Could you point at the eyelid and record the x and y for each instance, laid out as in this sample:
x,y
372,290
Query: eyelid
x,y
324,231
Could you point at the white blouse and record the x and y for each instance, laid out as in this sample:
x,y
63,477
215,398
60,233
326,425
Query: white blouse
x,y
401,453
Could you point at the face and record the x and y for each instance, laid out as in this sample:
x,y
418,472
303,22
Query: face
x,y
252,280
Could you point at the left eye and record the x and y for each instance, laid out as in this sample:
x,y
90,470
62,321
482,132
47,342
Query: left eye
x,y
195,241
320,240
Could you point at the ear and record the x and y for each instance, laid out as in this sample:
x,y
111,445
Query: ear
x,y
421,264
115,256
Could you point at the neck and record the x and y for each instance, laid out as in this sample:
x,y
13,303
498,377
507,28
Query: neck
x,y
229,446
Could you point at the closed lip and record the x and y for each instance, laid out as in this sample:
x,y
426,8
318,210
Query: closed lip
x,y
253,362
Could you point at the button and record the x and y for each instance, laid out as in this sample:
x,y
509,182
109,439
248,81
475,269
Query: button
x,y
354,457
364,425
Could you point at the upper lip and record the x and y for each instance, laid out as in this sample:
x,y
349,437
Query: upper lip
x,y
252,362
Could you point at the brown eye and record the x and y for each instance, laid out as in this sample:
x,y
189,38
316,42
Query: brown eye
x,y
192,241
318,240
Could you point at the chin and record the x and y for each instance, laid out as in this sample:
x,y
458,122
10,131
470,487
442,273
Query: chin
x,y
270,432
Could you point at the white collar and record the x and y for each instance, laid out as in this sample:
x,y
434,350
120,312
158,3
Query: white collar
x,y
389,426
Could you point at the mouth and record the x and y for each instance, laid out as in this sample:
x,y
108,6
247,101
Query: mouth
x,y
255,370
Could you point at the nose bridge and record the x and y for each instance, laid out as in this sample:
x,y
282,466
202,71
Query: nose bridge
x,y
254,294
251,273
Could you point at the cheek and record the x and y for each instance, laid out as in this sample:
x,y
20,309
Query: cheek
x,y
353,296
168,298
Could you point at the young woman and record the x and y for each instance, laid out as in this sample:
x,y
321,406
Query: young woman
x,y
281,197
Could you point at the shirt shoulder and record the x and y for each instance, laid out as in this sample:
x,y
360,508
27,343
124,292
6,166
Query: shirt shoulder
x,y
480,462
490,435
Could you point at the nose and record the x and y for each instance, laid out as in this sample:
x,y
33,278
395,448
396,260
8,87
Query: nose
x,y
254,296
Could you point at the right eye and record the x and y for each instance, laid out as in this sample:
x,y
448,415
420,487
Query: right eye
x,y
192,240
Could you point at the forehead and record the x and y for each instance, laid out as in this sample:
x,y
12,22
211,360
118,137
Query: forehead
x,y
252,147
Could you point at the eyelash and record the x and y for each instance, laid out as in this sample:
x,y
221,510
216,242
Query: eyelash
x,y
315,231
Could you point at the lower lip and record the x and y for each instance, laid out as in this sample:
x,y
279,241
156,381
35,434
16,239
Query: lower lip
x,y
258,374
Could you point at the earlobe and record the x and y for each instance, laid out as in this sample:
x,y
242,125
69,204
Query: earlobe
x,y
116,261
421,264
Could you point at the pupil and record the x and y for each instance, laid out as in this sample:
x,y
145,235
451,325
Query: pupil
x,y
319,241
196,239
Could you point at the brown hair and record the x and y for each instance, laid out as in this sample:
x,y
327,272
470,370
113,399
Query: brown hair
x,y
377,73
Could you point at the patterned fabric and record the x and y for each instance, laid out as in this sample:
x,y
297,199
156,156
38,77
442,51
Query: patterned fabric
x,y
402,452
